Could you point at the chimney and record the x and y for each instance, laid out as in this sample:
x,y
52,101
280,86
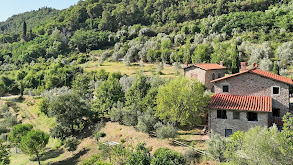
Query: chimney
x,y
254,65
243,66
221,63
186,63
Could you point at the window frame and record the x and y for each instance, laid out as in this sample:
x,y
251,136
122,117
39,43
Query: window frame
x,y
248,118
222,115
273,90
213,76
236,115
219,75
227,86
226,132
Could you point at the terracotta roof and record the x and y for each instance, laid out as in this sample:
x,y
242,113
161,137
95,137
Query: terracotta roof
x,y
206,66
261,73
249,103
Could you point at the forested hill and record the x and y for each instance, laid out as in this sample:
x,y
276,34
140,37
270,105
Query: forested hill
x,y
32,18
147,31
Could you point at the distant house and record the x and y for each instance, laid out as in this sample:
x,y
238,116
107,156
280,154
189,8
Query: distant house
x,y
246,99
205,73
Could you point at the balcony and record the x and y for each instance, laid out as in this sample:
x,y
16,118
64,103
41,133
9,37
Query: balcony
x,y
277,120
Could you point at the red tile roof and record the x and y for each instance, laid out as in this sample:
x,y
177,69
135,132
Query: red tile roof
x,y
207,66
261,73
249,103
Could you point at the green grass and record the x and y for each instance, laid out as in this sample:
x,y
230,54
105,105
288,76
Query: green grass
x,y
148,69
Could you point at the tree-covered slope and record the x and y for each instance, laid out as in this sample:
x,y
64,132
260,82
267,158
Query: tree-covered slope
x,y
32,18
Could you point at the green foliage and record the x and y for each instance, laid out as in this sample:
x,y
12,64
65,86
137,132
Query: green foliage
x,y
166,156
165,131
33,18
34,142
68,110
181,100
4,154
202,53
108,93
19,131
90,39
217,146
95,160
141,156
44,106
146,121
71,143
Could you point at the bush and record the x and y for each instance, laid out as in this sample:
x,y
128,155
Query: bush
x,y
165,131
167,156
98,135
4,109
116,112
71,143
190,156
95,160
146,122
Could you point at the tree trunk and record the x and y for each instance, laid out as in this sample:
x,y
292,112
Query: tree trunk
x,y
72,130
38,159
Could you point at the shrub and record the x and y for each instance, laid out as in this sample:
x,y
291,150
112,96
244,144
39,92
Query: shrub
x,y
71,143
98,135
167,156
95,160
190,156
165,131
146,122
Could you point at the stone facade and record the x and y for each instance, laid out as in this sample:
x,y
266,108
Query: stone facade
x,y
204,76
219,125
250,84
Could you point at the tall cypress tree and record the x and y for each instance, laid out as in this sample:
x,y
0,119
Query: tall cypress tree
x,y
24,31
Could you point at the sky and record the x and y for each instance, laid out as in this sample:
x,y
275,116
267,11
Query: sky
x,y
9,8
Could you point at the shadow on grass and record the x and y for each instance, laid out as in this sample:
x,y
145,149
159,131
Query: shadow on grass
x,y
51,154
73,160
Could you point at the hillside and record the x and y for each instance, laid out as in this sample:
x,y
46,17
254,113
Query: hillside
x,y
111,70
33,18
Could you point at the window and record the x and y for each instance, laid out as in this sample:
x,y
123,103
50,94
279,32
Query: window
x,y
236,115
252,116
276,90
213,89
213,76
228,132
221,114
276,112
225,88
219,75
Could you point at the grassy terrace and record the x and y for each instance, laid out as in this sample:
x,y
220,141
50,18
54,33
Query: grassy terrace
x,y
147,69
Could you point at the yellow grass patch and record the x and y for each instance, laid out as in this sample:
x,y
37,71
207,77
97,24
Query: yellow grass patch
x,y
168,70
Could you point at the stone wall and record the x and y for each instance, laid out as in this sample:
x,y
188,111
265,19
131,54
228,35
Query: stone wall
x,y
219,125
249,84
192,71
204,76
209,75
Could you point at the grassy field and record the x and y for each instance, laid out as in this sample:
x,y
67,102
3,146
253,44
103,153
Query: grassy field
x,y
148,69
115,132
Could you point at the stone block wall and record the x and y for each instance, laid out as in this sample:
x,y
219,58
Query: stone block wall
x,y
192,71
249,84
219,125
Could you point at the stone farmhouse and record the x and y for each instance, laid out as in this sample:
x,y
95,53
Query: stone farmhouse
x,y
243,100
